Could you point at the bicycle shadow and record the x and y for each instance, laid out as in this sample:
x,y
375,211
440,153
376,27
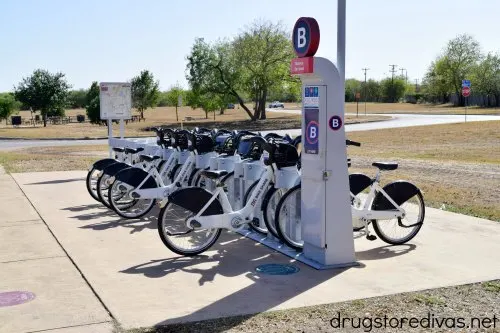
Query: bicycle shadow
x,y
235,257
59,181
108,219
385,252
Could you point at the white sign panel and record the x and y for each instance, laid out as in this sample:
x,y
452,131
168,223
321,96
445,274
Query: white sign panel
x,y
115,100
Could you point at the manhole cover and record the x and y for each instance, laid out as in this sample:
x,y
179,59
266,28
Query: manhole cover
x,y
11,298
277,269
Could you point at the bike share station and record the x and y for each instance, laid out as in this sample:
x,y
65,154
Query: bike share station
x,y
326,219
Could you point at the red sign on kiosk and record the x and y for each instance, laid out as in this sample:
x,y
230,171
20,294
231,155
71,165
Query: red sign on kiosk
x,y
302,66
305,43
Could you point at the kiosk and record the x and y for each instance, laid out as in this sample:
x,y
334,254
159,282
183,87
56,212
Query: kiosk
x,y
325,201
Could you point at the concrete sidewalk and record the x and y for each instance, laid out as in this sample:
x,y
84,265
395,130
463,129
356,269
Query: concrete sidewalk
x,y
143,284
57,298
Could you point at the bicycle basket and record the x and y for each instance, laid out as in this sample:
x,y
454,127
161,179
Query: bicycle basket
x,y
203,143
285,155
251,147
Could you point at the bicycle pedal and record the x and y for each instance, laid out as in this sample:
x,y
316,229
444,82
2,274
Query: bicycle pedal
x,y
255,221
371,237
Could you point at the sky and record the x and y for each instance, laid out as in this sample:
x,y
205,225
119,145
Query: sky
x,y
114,40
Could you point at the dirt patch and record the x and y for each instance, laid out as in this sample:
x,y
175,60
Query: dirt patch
x,y
468,308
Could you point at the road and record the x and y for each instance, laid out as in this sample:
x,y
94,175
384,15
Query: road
x,y
398,120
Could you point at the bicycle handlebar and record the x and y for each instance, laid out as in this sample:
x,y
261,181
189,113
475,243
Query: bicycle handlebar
x,y
352,143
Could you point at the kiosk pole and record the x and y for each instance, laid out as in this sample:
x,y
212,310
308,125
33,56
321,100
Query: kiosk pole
x,y
341,10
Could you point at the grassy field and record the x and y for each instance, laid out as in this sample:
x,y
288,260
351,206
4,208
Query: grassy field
x,y
456,165
232,119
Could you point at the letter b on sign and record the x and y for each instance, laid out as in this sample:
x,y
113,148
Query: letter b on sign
x,y
313,133
301,37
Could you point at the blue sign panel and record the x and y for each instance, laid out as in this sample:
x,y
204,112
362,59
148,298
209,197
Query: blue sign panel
x,y
311,117
465,83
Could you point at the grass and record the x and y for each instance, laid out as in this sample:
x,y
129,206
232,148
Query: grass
x,y
407,108
457,166
51,158
492,286
428,300
232,119
475,142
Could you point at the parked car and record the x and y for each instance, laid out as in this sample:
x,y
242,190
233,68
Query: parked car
x,y
276,104
230,106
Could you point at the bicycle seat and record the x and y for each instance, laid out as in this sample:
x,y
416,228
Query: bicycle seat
x,y
149,158
214,174
118,149
133,150
385,165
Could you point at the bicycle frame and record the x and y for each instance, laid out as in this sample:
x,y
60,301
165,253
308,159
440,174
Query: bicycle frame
x,y
366,213
232,220
165,190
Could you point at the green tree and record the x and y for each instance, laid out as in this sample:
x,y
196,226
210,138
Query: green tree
x,y
486,78
172,97
249,65
145,91
352,86
373,91
44,92
208,102
92,104
8,106
461,55
392,90
77,99
212,69
263,50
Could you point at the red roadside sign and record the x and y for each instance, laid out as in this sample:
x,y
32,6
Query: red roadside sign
x,y
465,91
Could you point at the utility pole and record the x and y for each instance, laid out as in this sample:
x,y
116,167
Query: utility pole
x,y
406,76
416,85
392,80
402,70
364,93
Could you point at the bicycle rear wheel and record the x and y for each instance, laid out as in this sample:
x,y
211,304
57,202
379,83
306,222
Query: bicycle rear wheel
x,y
92,178
288,218
401,230
271,202
103,189
176,235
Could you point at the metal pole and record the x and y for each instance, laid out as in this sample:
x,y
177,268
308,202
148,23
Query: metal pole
x,y
365,70
341,18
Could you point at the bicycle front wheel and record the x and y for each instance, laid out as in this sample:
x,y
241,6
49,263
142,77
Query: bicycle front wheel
x,y
401,230
125,206
288,218
178,237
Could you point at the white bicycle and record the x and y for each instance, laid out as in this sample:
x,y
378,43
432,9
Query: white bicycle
x,y
193,218
396,211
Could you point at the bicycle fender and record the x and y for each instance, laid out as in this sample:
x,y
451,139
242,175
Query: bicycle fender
x,y
194,199
399,191
114,168
358,182
134,177
101,164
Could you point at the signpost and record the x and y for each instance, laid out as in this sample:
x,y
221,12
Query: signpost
x,y
115,104
466,93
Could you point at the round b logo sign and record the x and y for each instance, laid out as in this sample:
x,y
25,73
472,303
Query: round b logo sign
x,y
335,123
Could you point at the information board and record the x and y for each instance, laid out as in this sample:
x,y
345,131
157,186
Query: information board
x,y
115,100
